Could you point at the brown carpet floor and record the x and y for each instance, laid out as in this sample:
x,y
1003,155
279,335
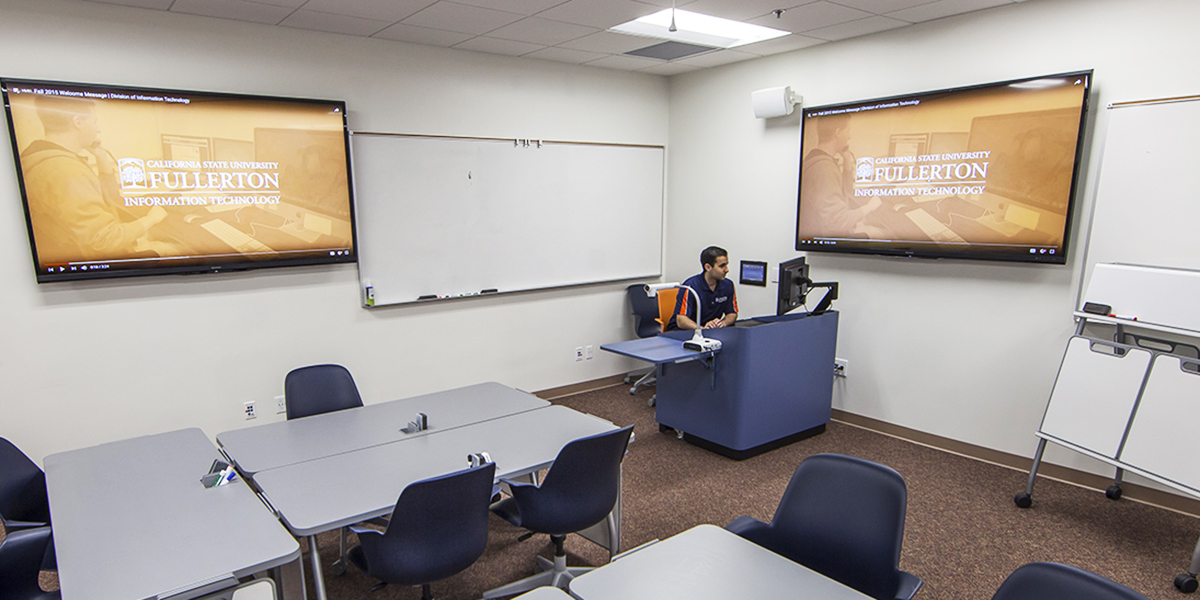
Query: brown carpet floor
x,y
963,534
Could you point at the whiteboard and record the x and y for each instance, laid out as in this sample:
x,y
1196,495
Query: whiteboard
x,y
1147,210
452,217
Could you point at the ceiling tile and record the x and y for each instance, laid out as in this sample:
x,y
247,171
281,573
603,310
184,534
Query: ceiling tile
x,y
598,13
786,43
624,63
541,31
521,7
498,46
673,68
944,8
661,4
811,16
720,57
236,10
422,35
610,43
743,10
565,55
881,7
452,16
857,28
380,10
155,4
317,21
287,3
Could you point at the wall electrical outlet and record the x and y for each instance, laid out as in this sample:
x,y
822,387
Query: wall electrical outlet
x,y
280,405
589,353
839,367
250,411
578,353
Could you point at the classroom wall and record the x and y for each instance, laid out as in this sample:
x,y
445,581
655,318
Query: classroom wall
x,y
965,350
89,362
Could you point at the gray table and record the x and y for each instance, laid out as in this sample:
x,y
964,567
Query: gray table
x,y
256,449
324,494
132,521
706,562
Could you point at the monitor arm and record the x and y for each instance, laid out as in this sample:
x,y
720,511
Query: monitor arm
x,y
831,294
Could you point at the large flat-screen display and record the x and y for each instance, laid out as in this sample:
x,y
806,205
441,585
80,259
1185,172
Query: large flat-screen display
x,y
983,172
120,181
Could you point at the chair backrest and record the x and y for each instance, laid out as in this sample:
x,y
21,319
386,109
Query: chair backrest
x,y
22,487
666,306
439,527
21,555
645,311
1053,581
581,488
318,389
843,517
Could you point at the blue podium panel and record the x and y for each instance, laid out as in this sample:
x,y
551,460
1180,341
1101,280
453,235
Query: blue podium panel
x,y
772,384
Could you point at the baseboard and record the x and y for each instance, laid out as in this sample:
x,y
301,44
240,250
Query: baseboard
x,y
579,388
1131,491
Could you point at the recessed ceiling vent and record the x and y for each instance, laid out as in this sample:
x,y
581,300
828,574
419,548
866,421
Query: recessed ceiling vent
x,y
669,50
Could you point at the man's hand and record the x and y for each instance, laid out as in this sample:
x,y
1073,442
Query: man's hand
x,y
715,323
105,163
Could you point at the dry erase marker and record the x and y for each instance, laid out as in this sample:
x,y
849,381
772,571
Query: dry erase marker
x,y
1127,318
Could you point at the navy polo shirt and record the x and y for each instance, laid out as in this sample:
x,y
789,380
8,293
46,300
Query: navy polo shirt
x,y
715,303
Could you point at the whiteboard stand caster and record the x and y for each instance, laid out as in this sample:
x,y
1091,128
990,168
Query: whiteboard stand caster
x,y
1113,492
1023,500
1185,582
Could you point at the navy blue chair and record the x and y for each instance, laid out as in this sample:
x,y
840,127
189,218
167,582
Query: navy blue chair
x,y
580,491
844,518
1052,581
319,389
438,528
21,555
23,500
645,324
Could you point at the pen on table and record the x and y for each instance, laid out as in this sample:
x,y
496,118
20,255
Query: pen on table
x,y
1116,316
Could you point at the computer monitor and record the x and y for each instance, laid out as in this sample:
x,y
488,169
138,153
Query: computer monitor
x,y
793,285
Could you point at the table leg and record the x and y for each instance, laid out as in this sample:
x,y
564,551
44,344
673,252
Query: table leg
x,y
289,579
318,578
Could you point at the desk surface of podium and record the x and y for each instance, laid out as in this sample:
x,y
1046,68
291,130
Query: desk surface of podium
x,y
770,384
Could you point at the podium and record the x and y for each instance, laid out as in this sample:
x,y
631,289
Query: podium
x,y
769,385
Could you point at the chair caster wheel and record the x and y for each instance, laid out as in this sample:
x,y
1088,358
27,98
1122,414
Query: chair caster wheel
x,y
652,401
678,435
1185,582
1113,492
628,379
1023,500
632,391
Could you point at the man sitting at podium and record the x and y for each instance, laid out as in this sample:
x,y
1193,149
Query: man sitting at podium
x,y
718,301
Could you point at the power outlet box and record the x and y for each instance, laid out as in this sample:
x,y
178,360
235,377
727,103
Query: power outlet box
x,y
578,353
839,367
250,414
280,405
589,352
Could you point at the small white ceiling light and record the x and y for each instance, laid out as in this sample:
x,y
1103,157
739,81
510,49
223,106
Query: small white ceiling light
x,y
695,28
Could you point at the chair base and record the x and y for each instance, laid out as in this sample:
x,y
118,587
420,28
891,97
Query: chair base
x,y
554,573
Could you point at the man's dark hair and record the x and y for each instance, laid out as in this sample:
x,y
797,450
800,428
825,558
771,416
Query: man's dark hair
x,y
710,255
56,112
828,125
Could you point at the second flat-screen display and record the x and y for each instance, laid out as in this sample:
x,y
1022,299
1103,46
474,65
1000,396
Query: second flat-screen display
x,y
984,172
122,181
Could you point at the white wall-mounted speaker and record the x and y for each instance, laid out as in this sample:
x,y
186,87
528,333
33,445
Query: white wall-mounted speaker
x,y
774,102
